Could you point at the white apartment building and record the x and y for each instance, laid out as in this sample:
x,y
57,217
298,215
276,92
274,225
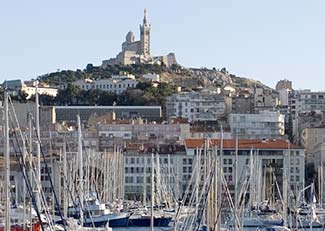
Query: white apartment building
x,y
270,155
138,166
303,104
113,85
152,77
28,87
196,106
178,165
266,124
306,100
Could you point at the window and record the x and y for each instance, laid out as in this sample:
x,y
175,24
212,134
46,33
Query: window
x,y
230,161
139,179
184,161
184,169
224,161
190,161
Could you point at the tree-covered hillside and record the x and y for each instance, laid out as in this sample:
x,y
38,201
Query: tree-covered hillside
x,y
95,73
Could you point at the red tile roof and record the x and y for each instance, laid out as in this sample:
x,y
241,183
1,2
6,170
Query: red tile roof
x,y
242,144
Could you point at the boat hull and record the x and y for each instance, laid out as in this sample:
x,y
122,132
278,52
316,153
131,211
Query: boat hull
x,y
112,220
36,227
145,221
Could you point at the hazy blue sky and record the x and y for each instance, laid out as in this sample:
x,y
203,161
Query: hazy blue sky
x,y
264,40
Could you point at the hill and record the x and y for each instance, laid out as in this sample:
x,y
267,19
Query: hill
x,y
189,78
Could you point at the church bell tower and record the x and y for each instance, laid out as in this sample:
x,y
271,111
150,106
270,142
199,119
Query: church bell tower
x,y
145,35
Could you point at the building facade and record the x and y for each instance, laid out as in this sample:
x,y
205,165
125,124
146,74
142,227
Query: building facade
x,y
178,165
16,87
68,113
115,85
313,139
196,106
265,125
270,155
242,104
122,133
265,99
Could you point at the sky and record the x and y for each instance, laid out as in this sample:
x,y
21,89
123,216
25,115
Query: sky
x,y
263,40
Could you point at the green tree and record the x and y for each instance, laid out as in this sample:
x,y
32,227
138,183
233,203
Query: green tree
x,y
69,96
144,85
107,98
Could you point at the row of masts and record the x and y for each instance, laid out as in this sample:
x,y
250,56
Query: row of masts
x,y
211,215
34,172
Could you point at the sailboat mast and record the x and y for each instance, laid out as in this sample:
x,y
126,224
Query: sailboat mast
x,y
236,177
152,192
38,140
30,127
80,169
65,186
6,162
145,181
216,184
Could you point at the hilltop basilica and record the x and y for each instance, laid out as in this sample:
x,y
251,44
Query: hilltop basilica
x,y
134,52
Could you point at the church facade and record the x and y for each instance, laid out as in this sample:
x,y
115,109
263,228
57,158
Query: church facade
x,y
134,52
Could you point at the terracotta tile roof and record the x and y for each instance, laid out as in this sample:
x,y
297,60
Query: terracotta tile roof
x,y
242,144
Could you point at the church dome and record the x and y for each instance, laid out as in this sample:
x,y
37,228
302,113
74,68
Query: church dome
x,y
130,37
